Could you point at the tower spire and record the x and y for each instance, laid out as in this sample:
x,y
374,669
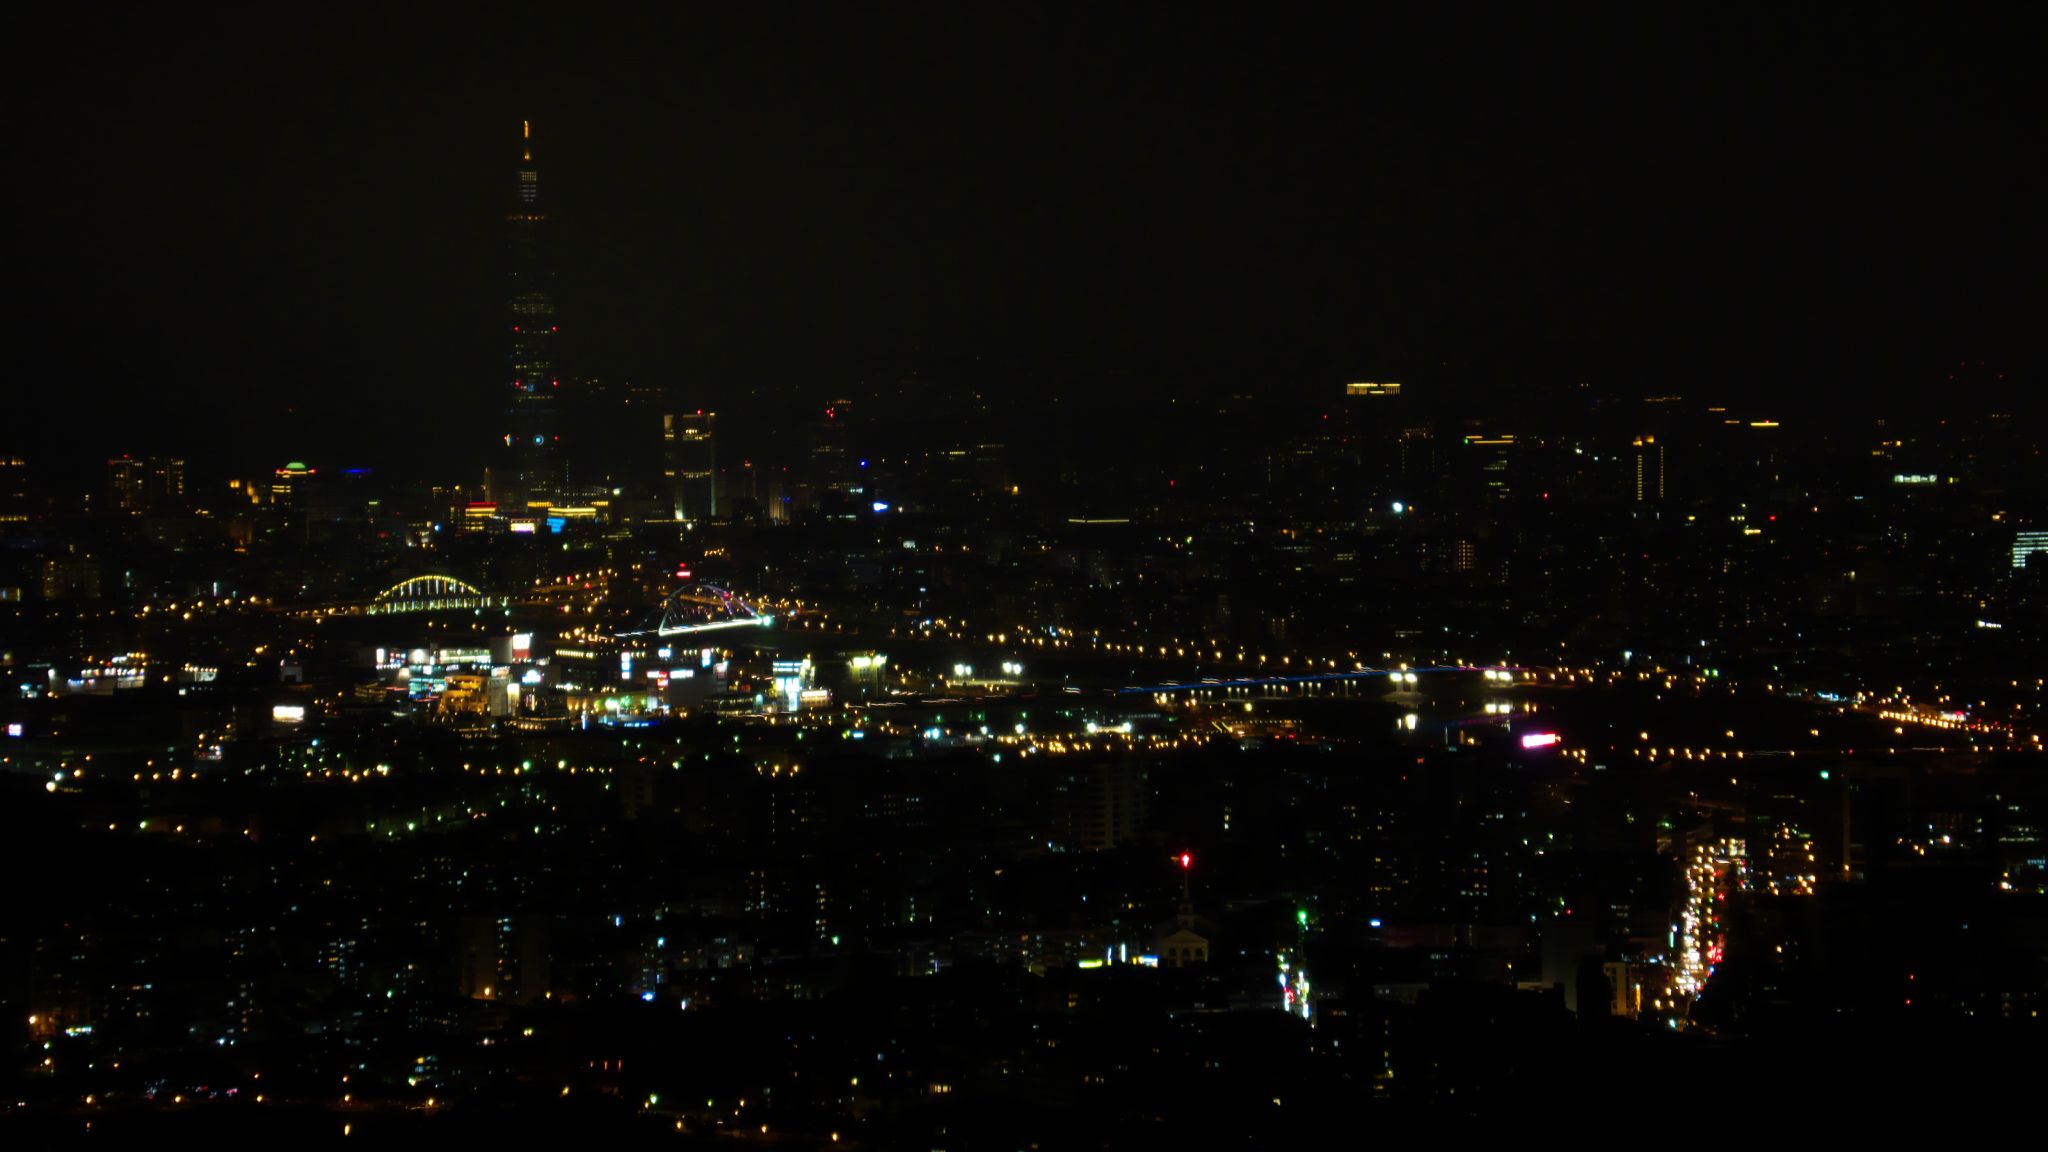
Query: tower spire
x,y
529,178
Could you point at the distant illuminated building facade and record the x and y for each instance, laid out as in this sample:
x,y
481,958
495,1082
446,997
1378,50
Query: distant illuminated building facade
x,y
71,576
1649,462
289,486
2025,544
528,471
690,463
166,480
833,466
142,485
14,498
1487,465
125,481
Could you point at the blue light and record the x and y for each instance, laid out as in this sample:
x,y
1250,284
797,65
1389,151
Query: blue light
x,y
1374,922
647,996
881,505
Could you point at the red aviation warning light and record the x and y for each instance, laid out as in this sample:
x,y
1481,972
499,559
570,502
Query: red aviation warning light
x,y
1186,861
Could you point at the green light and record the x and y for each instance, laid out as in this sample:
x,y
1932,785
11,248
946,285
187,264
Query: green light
x,y
1301,916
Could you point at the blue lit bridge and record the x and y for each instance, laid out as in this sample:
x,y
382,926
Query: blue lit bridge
x,y
699,607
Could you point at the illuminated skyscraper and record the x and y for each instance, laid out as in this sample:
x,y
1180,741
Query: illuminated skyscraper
x,y
290,485
1649,463
832,460
691,463
529,467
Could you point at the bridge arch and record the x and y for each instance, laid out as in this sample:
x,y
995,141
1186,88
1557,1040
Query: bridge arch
x,y
699,607
428,593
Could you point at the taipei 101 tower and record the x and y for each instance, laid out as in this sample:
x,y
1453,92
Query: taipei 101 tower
x,y
527,472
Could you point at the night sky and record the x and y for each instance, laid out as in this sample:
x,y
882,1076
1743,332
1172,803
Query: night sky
x,y
253,234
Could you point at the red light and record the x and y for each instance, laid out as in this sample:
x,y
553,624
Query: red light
x,y
1186,860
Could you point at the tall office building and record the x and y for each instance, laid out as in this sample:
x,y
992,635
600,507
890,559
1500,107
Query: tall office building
x,y
1649,462
528,470
833,466
1375,420
690,463
287,490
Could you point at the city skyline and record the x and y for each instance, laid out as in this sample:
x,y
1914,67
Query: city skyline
x,y
1030,212
906,577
